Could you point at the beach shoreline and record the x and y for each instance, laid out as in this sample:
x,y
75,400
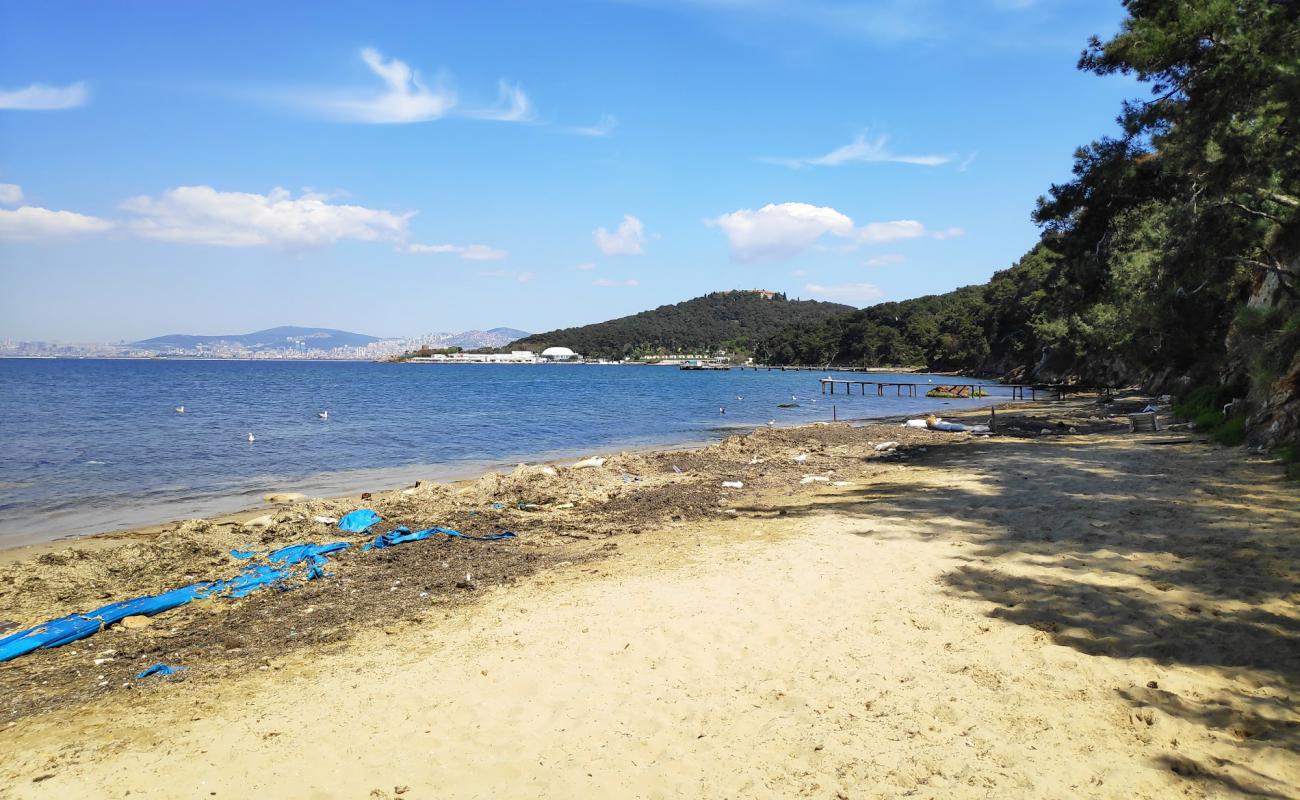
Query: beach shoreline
x,y
903,621
238,507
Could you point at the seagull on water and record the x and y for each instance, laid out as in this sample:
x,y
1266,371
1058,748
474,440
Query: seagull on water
x,y
323,414
180,409
771,422
251,437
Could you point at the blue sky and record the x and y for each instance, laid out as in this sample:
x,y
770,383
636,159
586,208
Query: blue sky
x,y
404,168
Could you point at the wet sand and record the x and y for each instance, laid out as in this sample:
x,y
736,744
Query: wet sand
x,y
1098,614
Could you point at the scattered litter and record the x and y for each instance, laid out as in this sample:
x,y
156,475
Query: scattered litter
x,y
498,506
1045,432
325,520
564,505
631,478
677,469
359,521
74,627
841,483
159,669
590,463
814,479
915,423
733,485
883,446
800,459
264,521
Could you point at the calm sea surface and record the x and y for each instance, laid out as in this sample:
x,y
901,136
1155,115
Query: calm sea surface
x,y
89,446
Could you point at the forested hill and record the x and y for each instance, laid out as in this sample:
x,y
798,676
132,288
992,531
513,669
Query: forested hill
x,y
722,320
1172,259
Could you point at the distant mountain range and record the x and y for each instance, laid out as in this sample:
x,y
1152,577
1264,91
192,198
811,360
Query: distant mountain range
x,y
493,337
299,338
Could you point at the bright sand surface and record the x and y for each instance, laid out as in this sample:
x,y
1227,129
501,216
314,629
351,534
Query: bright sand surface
x,y
1099,617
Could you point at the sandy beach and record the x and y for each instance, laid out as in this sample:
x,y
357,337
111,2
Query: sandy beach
x,y
1085,612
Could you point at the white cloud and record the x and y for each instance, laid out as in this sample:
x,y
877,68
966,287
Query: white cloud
x,y
884,260
852,293
607,282
585,266
628,240
604,127
11,194
799,273
43,97
32,224
469,252
512,106
779,230
967,161
948,233
860,151
889,231
203,215
521,277
404,98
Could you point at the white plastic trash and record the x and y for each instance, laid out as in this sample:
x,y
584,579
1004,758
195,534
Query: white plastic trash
x,y
733,485
883,446
590,463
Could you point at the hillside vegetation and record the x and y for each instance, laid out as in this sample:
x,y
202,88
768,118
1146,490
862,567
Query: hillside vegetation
x,y
1171,258
731,321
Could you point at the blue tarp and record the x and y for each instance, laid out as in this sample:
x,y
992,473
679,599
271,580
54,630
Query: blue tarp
x,y
158,669
403,535
358,521
279,566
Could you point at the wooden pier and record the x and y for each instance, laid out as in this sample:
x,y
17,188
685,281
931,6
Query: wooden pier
x,y
1013,391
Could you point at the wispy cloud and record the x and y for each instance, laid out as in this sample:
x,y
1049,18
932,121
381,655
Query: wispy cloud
x,y
521,277
44,97
603,127
585,266
860,150
609,283
627,240
203,215
884,260
967,161
782,230
852,293
33,224
469,252
512,106
949,233
11,194
403,98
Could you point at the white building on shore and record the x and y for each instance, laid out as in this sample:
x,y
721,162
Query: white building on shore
x,y
560,354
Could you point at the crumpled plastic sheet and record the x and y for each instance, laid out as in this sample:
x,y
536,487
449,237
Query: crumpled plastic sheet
x,y
358,521
403,535
159,669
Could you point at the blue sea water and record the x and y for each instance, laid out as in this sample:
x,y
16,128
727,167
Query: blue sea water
x,y
95,445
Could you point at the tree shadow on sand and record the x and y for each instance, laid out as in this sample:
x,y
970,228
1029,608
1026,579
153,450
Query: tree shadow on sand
x,y
1181,555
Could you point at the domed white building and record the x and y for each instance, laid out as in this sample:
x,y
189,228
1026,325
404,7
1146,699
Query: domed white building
x,y
559,354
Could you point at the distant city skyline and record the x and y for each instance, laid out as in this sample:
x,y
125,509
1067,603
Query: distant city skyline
x,y
393,169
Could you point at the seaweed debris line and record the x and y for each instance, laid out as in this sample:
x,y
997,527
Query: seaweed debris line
x,y
281,568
